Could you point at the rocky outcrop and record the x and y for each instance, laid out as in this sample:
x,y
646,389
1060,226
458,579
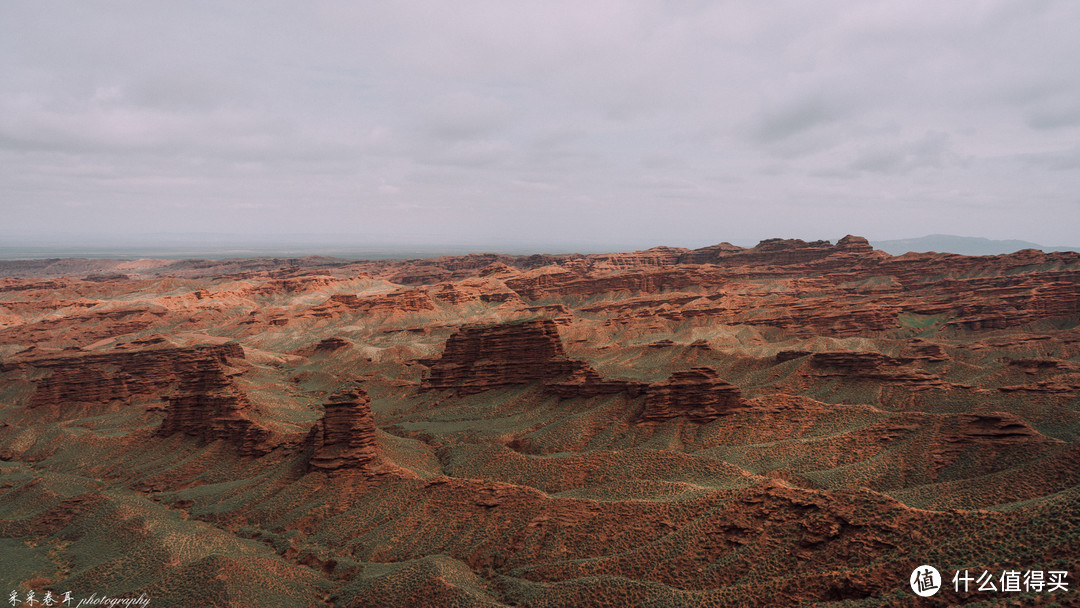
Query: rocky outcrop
x,y
789,355
993,431
331,344
535,283
821,316
296,284
344,438
710,254
412,300
1011,299
855,362
1048,386
924,350
775,252
209,406
656,256
563,283
698,394
114,377
482,357
869,365
586,382
479,358
1033,365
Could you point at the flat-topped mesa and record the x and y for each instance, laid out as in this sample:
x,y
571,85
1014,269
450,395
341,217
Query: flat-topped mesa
x,y
112,379
483,357
208,405
344,438
698,394
779,252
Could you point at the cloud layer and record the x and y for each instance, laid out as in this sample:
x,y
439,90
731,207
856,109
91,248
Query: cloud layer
x,y
568,123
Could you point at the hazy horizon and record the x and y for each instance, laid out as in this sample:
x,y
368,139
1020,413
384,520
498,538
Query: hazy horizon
x,y
487,124
225,245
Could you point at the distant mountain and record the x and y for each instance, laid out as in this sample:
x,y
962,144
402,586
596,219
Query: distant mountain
x,y
966,245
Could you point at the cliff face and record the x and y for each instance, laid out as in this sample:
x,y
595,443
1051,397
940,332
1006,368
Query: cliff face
x,y
698,394
563,283
208,405
482,357
870,365
479,358
407,301
200,397
344,438
101,379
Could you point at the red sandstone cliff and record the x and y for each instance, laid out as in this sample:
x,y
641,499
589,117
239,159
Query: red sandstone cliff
x,y
344,438
89,380
699,394
208,405
483,357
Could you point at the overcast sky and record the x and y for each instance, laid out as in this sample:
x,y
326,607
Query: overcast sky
x,y
633,123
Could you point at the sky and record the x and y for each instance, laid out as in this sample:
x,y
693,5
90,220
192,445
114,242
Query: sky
x,y
549,124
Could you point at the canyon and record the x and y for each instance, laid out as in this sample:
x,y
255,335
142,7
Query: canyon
x,y
796,423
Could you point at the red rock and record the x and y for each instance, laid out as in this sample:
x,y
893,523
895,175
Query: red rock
x,y
926,351
788,355
698,394
562,283
209,406
331,344
296,284
768,251
482,357
586,382
996,431
869,365
1049,387
344,438
656,256
100,379
411,300
535,283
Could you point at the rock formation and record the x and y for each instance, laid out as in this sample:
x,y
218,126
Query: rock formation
x,y
587,382
101,379
870,365
993,431
331,344
344,438
777,252
698,394
411,300
569,488
482,357
208,405
558,282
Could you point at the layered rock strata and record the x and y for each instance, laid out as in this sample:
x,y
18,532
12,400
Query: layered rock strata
x,y
483,357
99,379
869,365
698,394
209,406
344,438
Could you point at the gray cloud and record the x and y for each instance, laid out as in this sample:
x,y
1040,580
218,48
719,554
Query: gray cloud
x,y
487,122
